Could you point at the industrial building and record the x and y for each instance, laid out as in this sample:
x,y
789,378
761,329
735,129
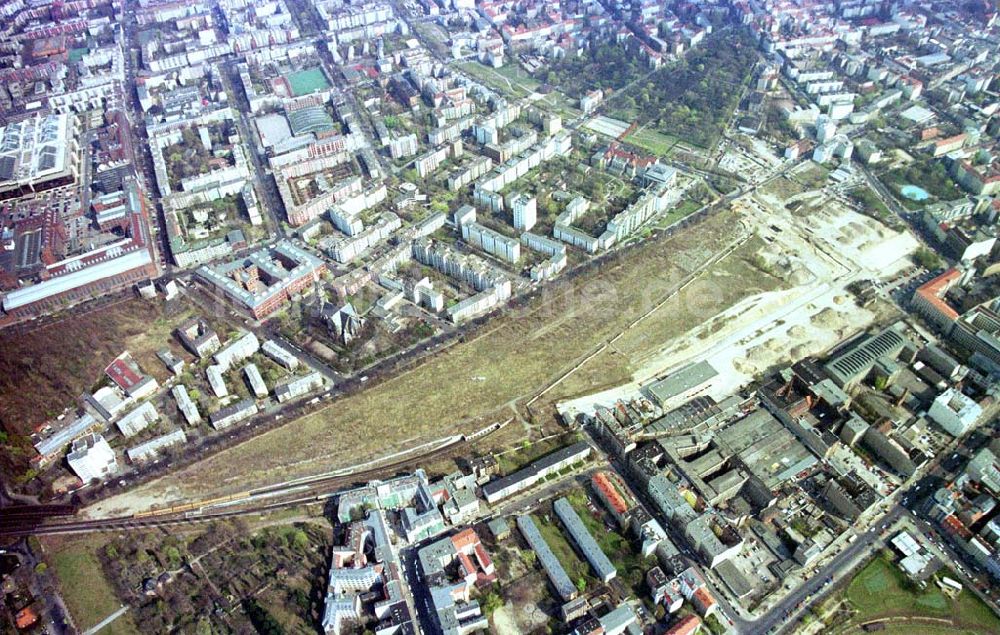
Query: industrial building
x,y
115,265
682,385
853,365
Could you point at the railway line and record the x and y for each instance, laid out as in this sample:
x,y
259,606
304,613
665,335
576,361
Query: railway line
x,y
29,520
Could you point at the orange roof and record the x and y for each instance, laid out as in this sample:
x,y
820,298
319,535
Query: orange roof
x,y
703,599
25,618
466,539
686,626
932,291
484,558
955,526
611,495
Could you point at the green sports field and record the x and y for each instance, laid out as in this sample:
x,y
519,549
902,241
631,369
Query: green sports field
x,y
307,81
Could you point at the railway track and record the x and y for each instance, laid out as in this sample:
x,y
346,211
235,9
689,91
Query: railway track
x,y
39,519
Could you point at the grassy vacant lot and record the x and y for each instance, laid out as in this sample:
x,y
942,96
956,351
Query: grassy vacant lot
x,y
882,591
88,595
559,542
513,460
505,363
652,140
510,78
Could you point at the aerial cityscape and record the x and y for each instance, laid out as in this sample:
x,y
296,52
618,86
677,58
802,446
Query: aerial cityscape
x,y
440,317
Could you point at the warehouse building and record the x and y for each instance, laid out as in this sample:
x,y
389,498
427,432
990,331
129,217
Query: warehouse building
x,y
854,364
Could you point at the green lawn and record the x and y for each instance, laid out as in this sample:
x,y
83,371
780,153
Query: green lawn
x,y
881,590
682,210
510,79
576,568
652,140
931,175
88,595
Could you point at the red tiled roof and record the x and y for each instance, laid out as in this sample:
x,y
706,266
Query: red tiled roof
x,y
933,290
120,373
686,626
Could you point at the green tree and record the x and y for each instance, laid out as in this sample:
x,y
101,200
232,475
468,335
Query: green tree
x,y
262,620
926,258
491,603
204,627
173,556
581,584
300,540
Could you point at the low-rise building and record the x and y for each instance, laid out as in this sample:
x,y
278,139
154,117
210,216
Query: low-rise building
x,y
238,349
149,449
255,380
585,542
524,478
184,403
233,414
279,355
138,420
550,564
293,387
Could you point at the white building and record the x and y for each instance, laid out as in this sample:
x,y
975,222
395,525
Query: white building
x,y
216,381
92,458
256,381
955,412
298,386
525,212
187,407
151,448
138,420
241,348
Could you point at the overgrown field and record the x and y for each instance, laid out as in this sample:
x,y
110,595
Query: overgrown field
x,y
501,366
